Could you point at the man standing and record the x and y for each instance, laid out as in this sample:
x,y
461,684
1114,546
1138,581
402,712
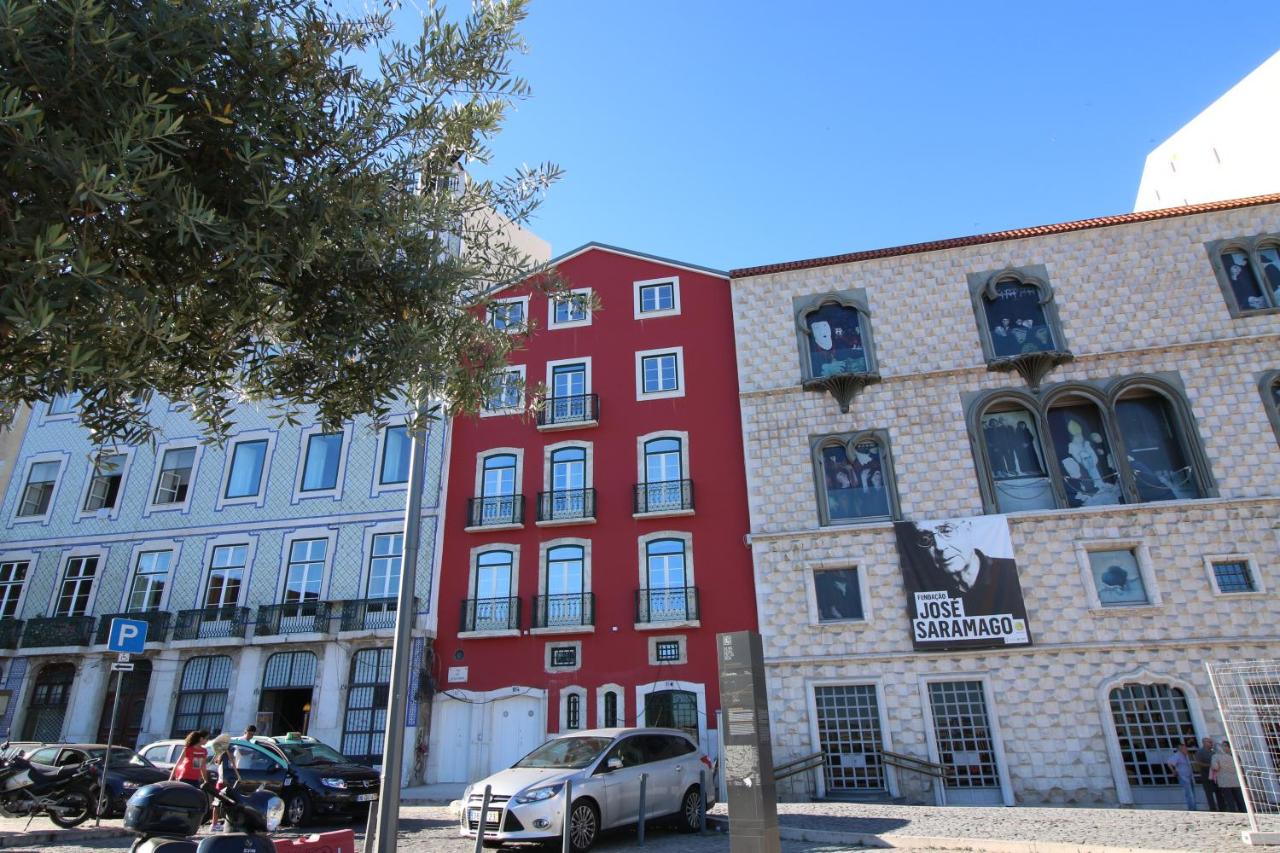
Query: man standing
x,y
1201,763
250,732
1180,761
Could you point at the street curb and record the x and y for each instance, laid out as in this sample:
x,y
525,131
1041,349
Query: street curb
x,y
61,836
918,842
424,803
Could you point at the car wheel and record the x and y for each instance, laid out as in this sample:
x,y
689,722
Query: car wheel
x,y
690,818
584,826
297,808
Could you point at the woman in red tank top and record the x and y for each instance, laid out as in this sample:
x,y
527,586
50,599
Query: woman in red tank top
x,y
191,767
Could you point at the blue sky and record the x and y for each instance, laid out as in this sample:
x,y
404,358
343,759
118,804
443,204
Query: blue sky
x,y
730,134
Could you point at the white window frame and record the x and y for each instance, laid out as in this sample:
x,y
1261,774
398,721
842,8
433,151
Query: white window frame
x,y
678,391
32,461
377,487
64,559
1145,568
641,471
478,485
674,310
886,732
565,693
366,554
174,547
303,442
250,541
510,330
584,293
543,549
1252,565
326,570
514,592
993,719
32,559
619,691
678,639
698,689
486,412
114,512
552,670
563,362
184,506
72,413
588,477
264,477
642,543
811,595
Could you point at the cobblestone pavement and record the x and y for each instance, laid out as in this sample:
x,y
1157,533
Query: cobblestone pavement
x,y
1139,828
434,830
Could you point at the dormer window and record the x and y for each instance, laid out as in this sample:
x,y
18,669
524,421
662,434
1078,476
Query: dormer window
x,y
1018,322
833,332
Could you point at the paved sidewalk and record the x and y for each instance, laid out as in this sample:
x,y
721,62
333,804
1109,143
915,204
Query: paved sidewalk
x,y
15,833
432,795
1020,829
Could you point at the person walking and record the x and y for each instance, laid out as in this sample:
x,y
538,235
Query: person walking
x,y
192,766
250,732
1180,761
1224,772
224,770
1200,764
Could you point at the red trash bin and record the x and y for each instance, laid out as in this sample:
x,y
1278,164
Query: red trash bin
x,y
339,841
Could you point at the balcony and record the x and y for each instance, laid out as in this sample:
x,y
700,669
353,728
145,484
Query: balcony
x,y
667,604
44,632
490,614
498,512
564,611
295,617
371,614
10,631
569,506
157,625
211,623
571,412
668,497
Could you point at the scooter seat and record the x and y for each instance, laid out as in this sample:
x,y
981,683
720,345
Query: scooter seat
x,y
48,773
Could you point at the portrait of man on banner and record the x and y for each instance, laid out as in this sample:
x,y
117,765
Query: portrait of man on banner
x,y
962,583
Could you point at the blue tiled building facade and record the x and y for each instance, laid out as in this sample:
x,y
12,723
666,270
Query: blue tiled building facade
x,y
262,567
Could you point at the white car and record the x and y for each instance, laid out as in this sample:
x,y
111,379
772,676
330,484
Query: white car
x,y
604,766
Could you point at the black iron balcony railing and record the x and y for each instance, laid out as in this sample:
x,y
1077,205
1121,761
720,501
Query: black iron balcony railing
x,y
667,604
572,409
563,611
294,617
370,614
495,510
211,623
41,632
663,496
158,622
490,614
567,505
10,631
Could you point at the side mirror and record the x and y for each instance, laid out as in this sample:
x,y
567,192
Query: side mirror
x,y
612,764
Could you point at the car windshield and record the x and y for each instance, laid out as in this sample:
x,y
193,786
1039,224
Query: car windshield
x,y
121,757
311,754
566,752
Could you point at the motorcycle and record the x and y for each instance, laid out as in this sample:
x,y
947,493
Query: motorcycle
x,y
65,794
164,814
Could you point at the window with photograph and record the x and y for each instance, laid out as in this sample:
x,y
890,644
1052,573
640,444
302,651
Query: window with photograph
x,y
835,340
150,576
1269,385
77,586
395,455
1248,271
226,575
1016,320
1083,452
244,479
1154,449
38,492
13,574
1233,576
1018,324
104,484
175,475
1015,460
838,594
320,468
854,477
1117,578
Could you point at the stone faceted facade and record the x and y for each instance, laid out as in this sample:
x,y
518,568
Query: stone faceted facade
x,y
1136,296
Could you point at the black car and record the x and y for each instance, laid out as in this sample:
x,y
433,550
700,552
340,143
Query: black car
x,y
311,777
127,772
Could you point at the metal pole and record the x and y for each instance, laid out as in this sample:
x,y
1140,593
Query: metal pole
x,y
393,743
370,829
106,759
702,801
566,823
484,816
644,779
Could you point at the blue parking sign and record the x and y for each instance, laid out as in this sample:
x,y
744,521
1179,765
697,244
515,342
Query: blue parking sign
x,y
127,635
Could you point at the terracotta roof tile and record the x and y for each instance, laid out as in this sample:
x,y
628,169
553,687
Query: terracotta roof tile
x,y
1014,234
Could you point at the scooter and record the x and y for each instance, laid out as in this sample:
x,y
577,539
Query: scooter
x,y
165,814
65,794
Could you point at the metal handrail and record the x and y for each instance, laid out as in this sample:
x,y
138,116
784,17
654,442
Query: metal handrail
x,y
916,765
570,409
495,510
567,505
811,761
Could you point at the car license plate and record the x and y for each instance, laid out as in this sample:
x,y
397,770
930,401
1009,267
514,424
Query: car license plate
x,y
366,798
495,815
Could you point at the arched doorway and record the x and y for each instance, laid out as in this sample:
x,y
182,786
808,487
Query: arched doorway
x,y
285,705
133,701
48,704
202,695
672,709
367,694
1150,720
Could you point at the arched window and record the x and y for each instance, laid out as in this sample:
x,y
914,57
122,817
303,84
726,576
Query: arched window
x,y
610,710
499,476
573,711
47,707
202,695
365,722
568,496
662,462
1015,459
665,487
1253,274
1154,449
668,595
1151,720
1269,385
854,477
1083,452
1016,318
498,502
564,603
837,353
491,607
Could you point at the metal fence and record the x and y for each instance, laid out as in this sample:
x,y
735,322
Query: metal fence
x,y
1248,697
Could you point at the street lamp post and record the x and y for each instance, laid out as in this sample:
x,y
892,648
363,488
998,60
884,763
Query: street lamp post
x,y
388,812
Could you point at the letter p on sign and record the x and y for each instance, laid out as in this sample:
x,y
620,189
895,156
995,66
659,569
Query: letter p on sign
x,y
127,635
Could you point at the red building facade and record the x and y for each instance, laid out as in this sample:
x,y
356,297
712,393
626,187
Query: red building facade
x,y
593,549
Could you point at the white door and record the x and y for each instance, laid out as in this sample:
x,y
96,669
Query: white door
x,y
451,733
515,728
